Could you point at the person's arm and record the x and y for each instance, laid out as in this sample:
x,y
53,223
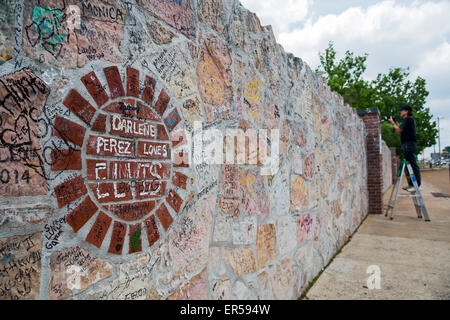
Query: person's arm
x,y
396,127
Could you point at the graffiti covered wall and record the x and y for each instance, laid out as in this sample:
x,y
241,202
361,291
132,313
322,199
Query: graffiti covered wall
x,y
167,150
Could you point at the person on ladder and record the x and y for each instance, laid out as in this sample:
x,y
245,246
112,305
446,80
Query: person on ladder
x,y
407,131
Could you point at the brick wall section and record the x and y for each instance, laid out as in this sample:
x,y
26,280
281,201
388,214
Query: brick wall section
x,y
371,118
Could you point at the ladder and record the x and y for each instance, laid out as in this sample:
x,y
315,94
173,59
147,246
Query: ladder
x,y
415,195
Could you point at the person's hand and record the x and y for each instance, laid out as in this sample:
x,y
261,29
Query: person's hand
x,y
391,120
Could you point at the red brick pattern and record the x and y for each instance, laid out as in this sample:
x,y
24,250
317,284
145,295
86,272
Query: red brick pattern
x,y
164,216
114,82
144,112
80,106
162,133
174,200
127,127
151,229
124,106
111,191
138,170
117,238
126,131
172,120
81,214
68,130
112,147
132,82
150,189
97,169
65,159
132,211
99,123
95,88
70,190
162,102
149,90
153,150
179,180
99,230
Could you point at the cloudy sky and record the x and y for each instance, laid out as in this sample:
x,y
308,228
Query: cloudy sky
x,y
395,33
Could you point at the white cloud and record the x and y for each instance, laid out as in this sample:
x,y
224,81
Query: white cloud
x,y
435,67
279,14
414,34
392,34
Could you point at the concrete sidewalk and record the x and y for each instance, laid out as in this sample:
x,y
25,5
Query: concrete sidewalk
x,y
413,255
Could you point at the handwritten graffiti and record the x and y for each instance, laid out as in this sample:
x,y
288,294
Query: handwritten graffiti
x,y
7,23
254,200
214,90
106,13
20,267
21,162
53,232
74,269
177,13
141,293
24,219
24,121
70,35
304,226
252,90
214,78
46,29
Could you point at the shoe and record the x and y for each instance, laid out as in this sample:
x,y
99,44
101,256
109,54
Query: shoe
x,y
412,189
407,187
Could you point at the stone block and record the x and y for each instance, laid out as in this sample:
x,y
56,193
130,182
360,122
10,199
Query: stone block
x,y
241,260
20,267
266,244
73,270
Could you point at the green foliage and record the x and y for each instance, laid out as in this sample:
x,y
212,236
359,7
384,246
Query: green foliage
x,y
345,77
387,93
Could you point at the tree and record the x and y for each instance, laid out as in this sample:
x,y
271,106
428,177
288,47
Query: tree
x,y
345,77
387,93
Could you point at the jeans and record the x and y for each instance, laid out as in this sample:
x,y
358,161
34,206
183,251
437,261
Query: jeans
x,y
409,149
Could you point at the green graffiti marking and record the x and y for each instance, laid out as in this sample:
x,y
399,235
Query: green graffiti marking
x,y
136,240
47,24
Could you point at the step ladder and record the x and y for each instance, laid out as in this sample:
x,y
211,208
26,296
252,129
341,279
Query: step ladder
x,y
415,195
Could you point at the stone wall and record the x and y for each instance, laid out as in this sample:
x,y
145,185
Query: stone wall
x,y
104,193
387,167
